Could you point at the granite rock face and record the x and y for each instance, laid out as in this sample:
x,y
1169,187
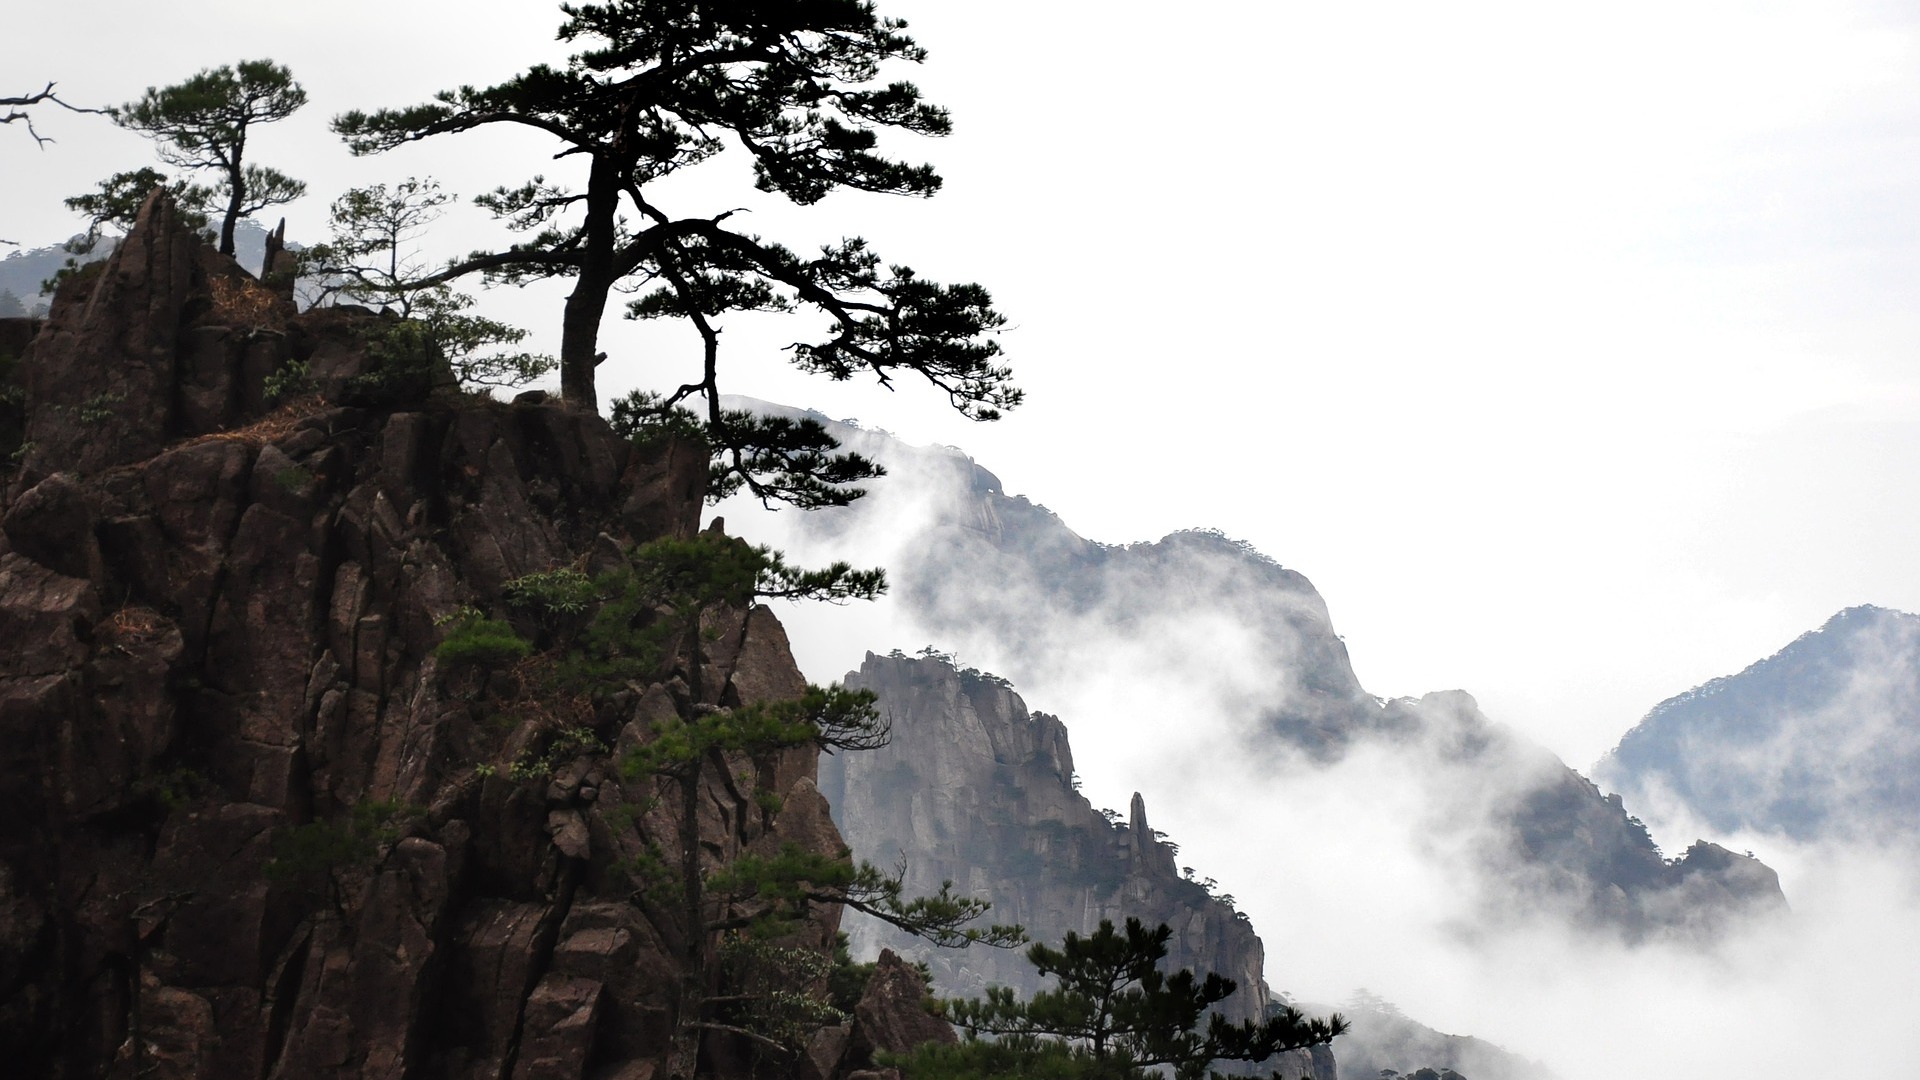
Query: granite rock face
x,y
975,789
220,626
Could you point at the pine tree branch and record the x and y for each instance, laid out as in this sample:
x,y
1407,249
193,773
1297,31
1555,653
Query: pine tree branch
x,y
16,107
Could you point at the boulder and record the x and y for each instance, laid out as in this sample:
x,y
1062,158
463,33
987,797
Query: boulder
x,y
892,1013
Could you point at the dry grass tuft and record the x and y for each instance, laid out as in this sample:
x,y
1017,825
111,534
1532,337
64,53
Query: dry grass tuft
x,y
277,424
135,624
243,302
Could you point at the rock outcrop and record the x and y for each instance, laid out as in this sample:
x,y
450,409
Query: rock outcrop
x,y
975,789
250,825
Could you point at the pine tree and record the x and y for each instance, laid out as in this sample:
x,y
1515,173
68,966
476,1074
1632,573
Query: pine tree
x,y
729,921
665,85
1113,1015
204,124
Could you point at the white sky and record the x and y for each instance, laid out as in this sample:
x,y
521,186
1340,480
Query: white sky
x,y
1569,350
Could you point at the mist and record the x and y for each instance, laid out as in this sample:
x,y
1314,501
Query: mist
x,y
1376,867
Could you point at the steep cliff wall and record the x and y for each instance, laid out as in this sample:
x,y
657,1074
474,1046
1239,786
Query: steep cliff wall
x,y
250,826
975,789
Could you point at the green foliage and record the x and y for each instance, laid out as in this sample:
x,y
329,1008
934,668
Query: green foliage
x,y
656,603
830,718
1113,1015
370,259
174,788
1013,1057
292,379
476,641
311,856
293,478
774,458
472,343
369,256
564,591
644,417
847,979
97,408
203,123
408,352
563,746
404,362
118,198
768,992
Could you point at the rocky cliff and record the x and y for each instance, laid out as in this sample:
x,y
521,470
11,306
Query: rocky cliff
x,y
976,789
253,825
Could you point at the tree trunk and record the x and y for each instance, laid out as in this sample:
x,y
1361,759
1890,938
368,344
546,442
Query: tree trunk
x,y
587,304
237,180
693,961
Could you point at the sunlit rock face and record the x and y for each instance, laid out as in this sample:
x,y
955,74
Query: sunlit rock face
x,y
1819,741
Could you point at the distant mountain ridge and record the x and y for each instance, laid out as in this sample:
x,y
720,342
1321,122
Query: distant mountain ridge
x,y
23,270
1821,740
1384,1038
975,789
1535,838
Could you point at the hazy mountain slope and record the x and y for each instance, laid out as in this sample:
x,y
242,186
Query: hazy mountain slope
x,y
1382,1037
975,789
1819,741
24,269
1247,648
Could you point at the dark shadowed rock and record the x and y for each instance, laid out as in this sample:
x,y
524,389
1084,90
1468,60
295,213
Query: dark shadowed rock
x,y
218,638
892,1014
52,524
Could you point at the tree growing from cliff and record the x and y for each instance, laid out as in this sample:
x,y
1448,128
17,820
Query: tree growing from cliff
x,y
116,201
665,85
204,124
730,923
370,257
1113,1015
